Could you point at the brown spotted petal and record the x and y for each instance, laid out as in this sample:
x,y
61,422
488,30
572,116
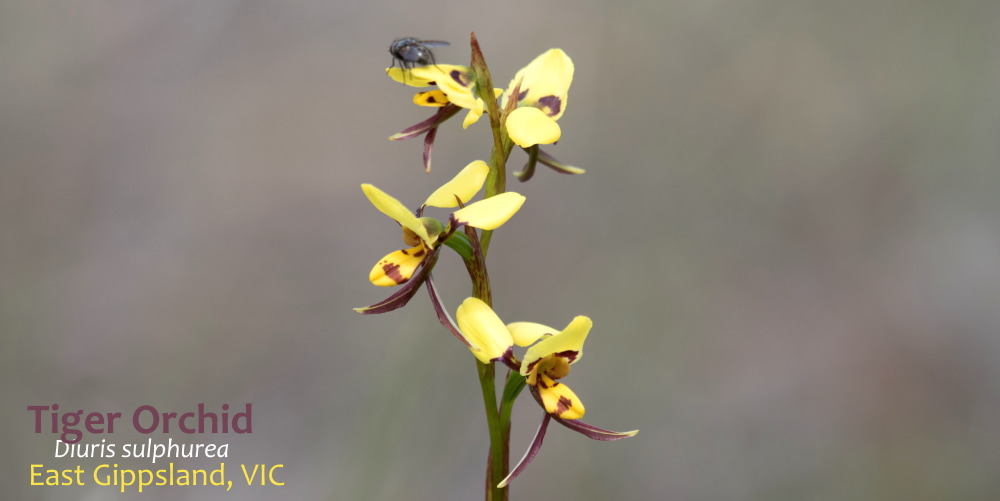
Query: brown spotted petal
x,y
397,267
406,292
557,398
590,431
544,83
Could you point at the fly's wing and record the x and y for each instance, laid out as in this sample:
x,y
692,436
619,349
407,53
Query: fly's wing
x,y
434,43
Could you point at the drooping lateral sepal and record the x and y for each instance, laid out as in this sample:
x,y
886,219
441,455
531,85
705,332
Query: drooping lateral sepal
x,y
429,148
551,162
528,171
594,433
442,313
428,127
535,156
529,455
413,131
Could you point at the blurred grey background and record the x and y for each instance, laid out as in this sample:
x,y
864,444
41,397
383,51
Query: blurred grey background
x,y
788,238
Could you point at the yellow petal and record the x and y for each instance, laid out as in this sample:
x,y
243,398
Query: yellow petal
x,y
559,400
465,185
439,72
473,115
544,83
483,329
396,210
407,77
526,333
458,82
477,111
430,98
569,340
528,126
397,267
491,213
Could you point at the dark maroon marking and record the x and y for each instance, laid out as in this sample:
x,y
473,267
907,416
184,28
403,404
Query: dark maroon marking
x,y
564,405
521,95
540,382
430,99
569,355
391,270
531,366
419,253
553,103
459,77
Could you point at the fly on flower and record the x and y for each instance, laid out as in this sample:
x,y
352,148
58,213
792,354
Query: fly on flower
x,y
410,52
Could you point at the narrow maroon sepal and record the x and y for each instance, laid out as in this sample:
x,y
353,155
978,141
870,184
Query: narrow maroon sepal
x,y
593,432
442,313
554,164
529,456
529,168
428,146
444,113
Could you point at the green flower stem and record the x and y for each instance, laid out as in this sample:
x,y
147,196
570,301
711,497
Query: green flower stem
x,y
497,462
495,184
499,429
477,269
496,180
515,383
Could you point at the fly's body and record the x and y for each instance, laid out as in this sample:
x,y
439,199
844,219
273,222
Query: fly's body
x,y
410,52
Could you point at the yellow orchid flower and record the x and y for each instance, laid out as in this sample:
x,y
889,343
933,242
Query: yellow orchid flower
x,y
546,361
543,88
424,234
549,360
